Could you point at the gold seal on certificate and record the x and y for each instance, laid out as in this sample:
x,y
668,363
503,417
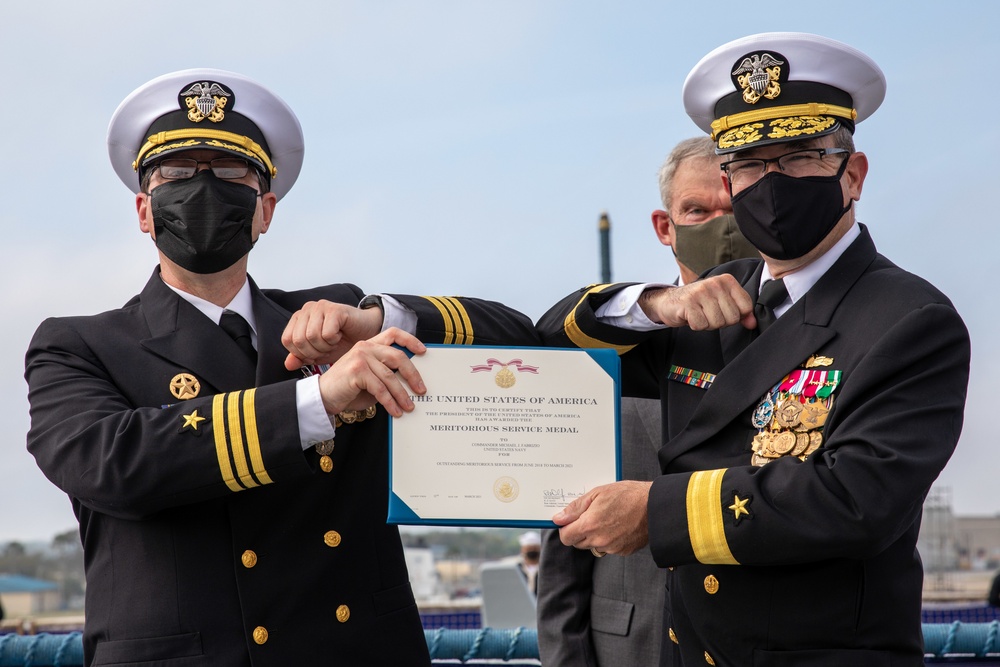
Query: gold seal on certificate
x,y
506,489
504,436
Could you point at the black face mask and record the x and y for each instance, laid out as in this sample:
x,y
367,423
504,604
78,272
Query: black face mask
x,y
202,223
785,217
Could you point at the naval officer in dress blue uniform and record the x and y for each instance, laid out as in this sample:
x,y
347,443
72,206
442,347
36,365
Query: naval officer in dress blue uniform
x,y
231,494
809,400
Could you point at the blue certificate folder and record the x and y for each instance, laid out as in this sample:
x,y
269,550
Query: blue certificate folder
x,y
525,382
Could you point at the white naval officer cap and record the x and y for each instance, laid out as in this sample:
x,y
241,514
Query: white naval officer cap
x,y
206,109
781,86
532,538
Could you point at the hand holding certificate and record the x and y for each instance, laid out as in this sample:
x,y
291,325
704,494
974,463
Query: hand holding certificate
x,y
504,436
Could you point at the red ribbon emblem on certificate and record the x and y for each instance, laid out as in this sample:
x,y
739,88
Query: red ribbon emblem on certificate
x,y
505,377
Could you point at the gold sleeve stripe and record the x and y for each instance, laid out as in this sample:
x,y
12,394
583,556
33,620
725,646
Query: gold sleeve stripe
x,y
457,325
576,334
221,448
236,440
461,316
253,440
449,328
704,512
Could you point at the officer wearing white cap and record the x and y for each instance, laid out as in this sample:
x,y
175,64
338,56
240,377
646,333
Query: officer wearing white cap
x,y
531,552
809,399
231,489
749,93
221,111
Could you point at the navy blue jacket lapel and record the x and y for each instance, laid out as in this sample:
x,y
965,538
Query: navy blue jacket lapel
x,y
271,321
182,334
786,345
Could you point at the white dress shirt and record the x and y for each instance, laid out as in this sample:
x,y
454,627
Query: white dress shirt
x,y
624,312
314,424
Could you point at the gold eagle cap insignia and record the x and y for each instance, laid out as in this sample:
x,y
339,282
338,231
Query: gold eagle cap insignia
x,y
757,75
206,99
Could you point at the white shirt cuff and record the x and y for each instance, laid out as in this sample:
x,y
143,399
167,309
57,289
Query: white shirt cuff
x,y
395,314
623,311
314,424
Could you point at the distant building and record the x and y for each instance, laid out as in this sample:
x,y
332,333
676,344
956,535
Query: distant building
x,y
978,539
25,596
423,576
959,553
936,543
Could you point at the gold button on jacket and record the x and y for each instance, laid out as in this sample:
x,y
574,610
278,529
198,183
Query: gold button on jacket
x,y
249,558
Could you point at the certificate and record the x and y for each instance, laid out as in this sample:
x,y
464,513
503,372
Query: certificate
x,y
504,436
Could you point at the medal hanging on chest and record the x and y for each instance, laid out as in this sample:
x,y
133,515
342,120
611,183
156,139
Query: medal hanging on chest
x,y
789,419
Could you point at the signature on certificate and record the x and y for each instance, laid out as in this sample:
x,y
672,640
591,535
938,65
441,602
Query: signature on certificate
x,y
560,497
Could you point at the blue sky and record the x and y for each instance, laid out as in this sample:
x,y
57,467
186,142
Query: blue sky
x,y
461,147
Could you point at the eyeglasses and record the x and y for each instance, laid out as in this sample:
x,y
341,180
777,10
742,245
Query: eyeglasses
x,y
806,162
226,168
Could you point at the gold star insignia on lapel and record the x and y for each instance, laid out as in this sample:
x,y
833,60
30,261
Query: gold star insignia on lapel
x,y
740,507
184,386
192,420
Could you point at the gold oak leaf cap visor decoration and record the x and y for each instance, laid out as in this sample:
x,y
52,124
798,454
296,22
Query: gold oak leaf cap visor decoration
x,y
206,109
781,86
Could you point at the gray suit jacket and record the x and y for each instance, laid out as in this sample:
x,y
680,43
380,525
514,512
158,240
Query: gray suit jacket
x,y
605,611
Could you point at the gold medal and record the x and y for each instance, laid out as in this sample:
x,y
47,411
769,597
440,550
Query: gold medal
x,y
767,445
354,416
813,416
815,440
783,443
505,378
762,444
801,444
325,463
787,414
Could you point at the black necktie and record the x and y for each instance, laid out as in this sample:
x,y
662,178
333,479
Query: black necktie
x,y
772,295
239,330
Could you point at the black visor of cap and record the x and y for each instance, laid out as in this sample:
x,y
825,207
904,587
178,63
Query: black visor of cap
x,y
792,92
233,123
